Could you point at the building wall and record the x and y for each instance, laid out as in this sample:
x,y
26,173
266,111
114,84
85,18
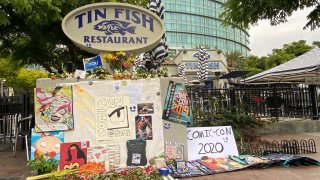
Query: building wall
x,y
217,65
190,23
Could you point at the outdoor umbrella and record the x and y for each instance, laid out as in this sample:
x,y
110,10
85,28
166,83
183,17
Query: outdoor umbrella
x,y
160,52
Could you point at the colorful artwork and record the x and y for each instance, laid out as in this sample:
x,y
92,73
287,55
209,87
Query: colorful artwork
x,y
73,155
47,144
53,109
145,108
144,127
112,121
177,105
193,169
219,165
174,151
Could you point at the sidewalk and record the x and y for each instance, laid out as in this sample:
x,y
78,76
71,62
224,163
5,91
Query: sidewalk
x,y
15,168
278,172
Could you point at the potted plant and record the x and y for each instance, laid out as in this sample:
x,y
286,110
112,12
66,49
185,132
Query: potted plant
x,y
43,165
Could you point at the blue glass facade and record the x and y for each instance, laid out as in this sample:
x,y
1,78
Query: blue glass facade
x,y
190,23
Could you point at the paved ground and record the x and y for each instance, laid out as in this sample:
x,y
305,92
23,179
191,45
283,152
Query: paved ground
x,y
277,173
14,168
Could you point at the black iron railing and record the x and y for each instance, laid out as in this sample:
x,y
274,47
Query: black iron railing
x,y
276,102
11,109
285,146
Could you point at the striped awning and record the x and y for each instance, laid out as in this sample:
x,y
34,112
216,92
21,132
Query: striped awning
x,y
160,52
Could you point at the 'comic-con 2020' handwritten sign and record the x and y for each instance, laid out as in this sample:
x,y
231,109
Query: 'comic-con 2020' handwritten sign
x,y
213,142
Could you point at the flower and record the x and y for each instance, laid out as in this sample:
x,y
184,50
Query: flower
x,y
118,61
125,65
120,53
107,56
91,168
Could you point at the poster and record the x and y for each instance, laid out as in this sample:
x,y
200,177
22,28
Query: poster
x,y
73,155
174,151
114,154
136,152
177,104
97,154
143,127
112,119
46,143
53,108
145,108
219,165
214,142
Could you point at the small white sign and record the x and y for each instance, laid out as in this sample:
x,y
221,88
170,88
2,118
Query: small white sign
x,y
213,142
79,73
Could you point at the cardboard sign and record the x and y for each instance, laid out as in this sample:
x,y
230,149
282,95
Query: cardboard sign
x,y
136,153
177,105
92,63
53,108
73,155
47,144
212,142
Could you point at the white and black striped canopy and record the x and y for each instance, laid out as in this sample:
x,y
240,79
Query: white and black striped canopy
x,y
158,53
293,71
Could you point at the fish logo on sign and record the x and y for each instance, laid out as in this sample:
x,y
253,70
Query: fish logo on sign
x,y
115,26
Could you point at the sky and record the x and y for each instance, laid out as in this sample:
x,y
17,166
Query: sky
x,y
264,37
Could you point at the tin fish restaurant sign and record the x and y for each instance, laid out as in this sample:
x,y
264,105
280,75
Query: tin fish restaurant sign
x,y
105,27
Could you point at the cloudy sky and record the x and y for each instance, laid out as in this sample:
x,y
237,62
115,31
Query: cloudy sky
x,y
265,37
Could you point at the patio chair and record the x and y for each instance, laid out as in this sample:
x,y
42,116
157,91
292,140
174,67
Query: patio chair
x,y
21,132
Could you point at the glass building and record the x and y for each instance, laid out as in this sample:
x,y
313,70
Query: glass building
x,y
190,23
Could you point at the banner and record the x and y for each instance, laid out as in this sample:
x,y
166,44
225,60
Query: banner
x,y
113,112
92,63
177,105
212,142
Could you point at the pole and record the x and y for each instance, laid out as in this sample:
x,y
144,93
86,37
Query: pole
x,y
1,87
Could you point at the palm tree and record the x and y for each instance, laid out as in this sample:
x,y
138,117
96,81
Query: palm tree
x,y
234,60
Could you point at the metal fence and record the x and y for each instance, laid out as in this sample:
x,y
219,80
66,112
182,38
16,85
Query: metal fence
x,y
259,102
11,109
285,146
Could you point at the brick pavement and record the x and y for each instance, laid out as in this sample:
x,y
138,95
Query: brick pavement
x,y
15,168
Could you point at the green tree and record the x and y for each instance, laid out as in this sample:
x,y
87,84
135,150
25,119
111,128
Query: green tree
x,y
242,13
17,77
31,31
316,43
234,60
278,56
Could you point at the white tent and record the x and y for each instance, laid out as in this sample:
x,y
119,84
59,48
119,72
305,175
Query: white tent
x,y
293,71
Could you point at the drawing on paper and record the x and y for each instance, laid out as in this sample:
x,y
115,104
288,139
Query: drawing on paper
x,y
53,109
73,155
47,144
